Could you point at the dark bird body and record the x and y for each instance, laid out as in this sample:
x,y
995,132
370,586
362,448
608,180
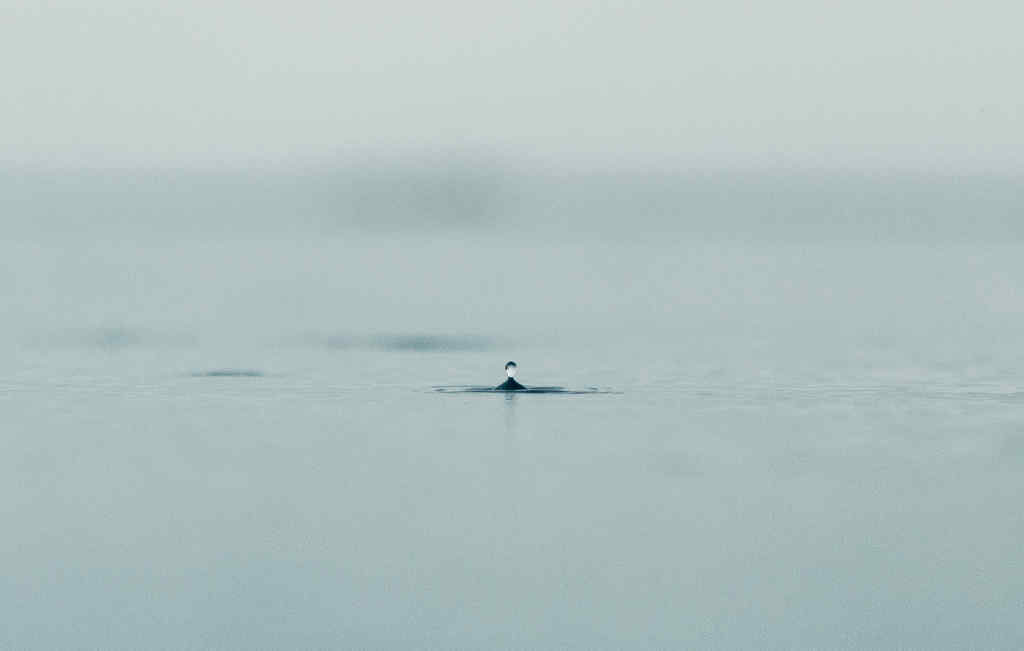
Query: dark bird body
x,y
510,385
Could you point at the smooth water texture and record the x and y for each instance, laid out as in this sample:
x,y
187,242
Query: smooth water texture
x,y
237,443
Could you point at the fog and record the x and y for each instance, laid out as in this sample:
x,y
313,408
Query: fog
x,y
447,196
871,85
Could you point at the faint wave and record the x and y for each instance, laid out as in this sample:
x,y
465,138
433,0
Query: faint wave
x,y
229,372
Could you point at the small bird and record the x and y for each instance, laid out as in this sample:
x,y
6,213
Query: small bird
x,y
510,384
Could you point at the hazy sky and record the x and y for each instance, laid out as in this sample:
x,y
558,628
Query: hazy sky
x,y
925,85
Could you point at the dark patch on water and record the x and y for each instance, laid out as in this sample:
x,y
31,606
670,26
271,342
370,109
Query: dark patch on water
x,y
412,342
229,372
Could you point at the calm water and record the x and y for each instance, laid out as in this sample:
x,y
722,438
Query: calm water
x,y
808,445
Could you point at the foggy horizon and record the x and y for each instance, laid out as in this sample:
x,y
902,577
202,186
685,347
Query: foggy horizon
x,y
873,86
475,195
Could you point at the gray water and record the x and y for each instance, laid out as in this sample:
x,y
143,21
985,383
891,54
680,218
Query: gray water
x,y
232,440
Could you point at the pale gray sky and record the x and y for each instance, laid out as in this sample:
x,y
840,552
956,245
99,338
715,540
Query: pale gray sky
x,y
922,85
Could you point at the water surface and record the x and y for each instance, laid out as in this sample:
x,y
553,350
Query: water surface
x,y
798,445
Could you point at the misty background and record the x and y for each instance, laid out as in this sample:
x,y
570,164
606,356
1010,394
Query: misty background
x,y
799,120
873,86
